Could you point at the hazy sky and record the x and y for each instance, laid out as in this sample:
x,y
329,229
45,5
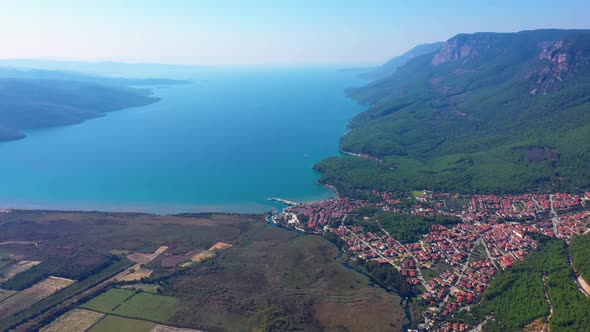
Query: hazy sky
x,y
248,32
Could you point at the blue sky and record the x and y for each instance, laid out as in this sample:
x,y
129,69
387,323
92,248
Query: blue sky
x,y
248,32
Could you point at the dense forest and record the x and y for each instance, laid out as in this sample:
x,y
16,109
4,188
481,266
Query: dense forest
x,y
407,228
509,113
403,227
516,297
386,276
77,267
580,254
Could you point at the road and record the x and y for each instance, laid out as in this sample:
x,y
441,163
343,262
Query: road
x,y
418,271
554,219
549,302
583,285
580,282
479,327
19,242
373,249
538,205
465,266
492,259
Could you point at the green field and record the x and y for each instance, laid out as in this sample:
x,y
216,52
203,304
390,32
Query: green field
x,y
436,270
128,303
114,323
404,228
49,305
148,306
417,193
108,301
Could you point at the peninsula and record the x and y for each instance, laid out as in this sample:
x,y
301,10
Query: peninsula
x,y
38,99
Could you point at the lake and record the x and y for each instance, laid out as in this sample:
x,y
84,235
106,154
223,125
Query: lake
x,y
226,142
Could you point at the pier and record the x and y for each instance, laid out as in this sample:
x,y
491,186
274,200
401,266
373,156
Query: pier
x,y
284,201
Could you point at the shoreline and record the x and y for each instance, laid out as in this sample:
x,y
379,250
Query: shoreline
x,y
153,209
164,208
337,194
8,211
23,133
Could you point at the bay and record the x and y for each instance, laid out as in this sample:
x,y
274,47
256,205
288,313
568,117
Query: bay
x,y
226,142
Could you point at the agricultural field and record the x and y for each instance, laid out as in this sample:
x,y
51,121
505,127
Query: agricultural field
x,y
148,306
4,293
256,276
128,303
164,328
108,301
137,272
170,260
74,320
115,323
31,295
150,288
146,258
198,257
10,270
220,246
78,320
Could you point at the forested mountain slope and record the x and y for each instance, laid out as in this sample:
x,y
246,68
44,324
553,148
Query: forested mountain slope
x,y
487,112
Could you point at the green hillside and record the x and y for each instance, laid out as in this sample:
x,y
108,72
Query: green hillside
x,y
487,112
580,254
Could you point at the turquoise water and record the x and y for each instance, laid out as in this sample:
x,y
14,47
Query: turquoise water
x,y
226,142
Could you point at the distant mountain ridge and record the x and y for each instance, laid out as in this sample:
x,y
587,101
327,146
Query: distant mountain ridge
x,y
104,68
392,65
32,73
31,98
459,118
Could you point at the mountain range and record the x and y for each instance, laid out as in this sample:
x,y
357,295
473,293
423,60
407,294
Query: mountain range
x,y
392,65
484,112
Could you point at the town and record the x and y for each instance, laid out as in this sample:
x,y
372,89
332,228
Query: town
x,y
450,265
